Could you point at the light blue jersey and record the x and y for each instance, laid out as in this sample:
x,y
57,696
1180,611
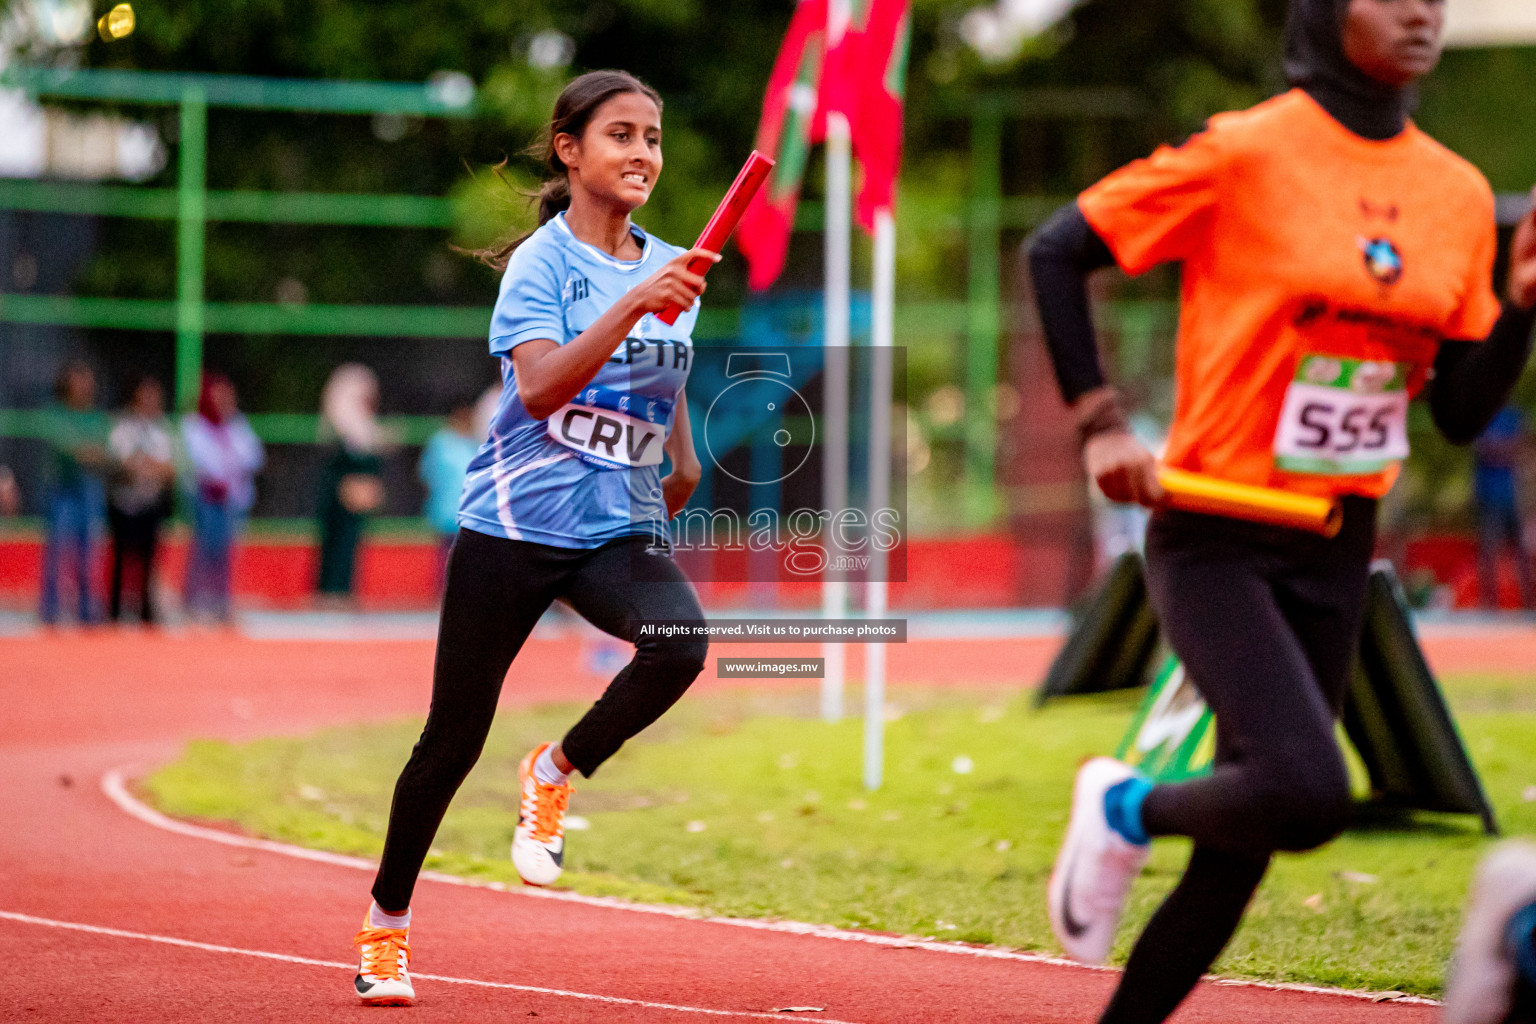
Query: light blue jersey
x,y
591,472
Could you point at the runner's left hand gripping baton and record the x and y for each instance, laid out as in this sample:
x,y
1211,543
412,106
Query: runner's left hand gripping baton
x,y
724,220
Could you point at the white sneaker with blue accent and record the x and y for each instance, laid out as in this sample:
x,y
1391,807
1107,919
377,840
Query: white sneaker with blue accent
x,y
1483,974
1094,869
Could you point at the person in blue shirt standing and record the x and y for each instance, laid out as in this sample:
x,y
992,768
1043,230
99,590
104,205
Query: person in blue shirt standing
x,y
1497,454
444,463
565,498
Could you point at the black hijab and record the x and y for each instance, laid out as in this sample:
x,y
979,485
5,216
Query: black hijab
x,y
1315,61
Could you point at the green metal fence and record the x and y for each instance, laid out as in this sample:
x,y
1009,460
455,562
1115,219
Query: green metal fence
x,y
988,215
982,218
192,207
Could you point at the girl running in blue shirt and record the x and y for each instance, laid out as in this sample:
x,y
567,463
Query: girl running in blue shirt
x,y
564,500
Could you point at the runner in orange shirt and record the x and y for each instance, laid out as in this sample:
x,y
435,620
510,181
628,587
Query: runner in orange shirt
x,y
1336,262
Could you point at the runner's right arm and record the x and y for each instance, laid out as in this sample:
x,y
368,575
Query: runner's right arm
x,y
1062,253
550,374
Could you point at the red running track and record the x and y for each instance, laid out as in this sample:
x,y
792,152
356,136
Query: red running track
x,y
105,917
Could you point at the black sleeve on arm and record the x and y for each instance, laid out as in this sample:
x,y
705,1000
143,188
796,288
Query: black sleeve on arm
x,y
1473,379
1062,253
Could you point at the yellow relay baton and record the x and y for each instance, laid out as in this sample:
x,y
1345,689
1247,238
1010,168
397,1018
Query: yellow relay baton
x,y
1195,492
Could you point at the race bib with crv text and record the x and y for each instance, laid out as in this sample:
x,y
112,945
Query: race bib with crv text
x,y
612,429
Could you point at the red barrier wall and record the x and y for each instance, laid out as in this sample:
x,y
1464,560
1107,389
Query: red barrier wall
x,y
981,571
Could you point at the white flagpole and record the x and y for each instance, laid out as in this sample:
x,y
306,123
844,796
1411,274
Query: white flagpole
x,y
834,472
882,338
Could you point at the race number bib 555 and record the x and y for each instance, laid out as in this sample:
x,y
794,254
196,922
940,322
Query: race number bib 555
x,y
1343,417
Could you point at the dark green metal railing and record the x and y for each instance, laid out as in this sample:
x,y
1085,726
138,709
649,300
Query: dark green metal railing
x,y
192,206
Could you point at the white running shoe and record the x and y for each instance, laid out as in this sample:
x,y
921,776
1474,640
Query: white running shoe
x,y
1094,869
383,972
1482,983
538,845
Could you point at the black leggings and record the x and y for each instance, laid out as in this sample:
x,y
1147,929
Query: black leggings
x,y
1267,621
497,590
135,540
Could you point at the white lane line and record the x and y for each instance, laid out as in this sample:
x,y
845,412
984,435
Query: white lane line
x,y
114,784
286,958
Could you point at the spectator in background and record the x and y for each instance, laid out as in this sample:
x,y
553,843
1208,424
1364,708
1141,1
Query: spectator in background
x,y
10,495
1497,454
74,499
139,499
351,484
444,463
223,454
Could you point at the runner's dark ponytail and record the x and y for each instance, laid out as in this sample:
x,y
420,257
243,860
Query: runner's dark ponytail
x,y
578,101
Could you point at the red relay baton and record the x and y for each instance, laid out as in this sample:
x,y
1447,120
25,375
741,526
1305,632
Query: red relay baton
x,y
724,221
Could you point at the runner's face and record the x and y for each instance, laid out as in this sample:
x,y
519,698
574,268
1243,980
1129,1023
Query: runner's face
x,y
1396,42
618,157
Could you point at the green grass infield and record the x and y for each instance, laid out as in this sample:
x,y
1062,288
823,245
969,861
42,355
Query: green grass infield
x,y
747,805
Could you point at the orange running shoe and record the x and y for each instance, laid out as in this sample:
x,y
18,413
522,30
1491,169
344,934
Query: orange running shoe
x,y
383,973
538,845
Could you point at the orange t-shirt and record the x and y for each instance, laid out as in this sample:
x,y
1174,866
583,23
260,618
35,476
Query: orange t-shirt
x,y
1321,271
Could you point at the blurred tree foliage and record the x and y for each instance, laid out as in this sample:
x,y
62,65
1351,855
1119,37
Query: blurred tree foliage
x,y
709,60
1477,102
1185,59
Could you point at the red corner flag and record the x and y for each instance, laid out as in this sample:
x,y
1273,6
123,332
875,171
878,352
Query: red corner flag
x,y
877,67
792,121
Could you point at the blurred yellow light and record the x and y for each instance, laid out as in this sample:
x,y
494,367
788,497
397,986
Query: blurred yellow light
x,y
117,23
